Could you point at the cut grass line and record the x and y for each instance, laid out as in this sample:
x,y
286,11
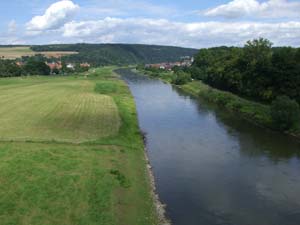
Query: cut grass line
x,y
67,135
57,111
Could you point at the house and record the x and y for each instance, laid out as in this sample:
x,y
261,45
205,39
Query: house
x,y
54,65
71,66
169,66
19,64
85,65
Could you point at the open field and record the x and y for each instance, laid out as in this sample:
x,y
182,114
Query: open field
x,y
61,110
71,152
18,52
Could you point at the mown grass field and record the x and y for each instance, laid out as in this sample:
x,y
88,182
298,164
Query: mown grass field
x,y
71,152
18,52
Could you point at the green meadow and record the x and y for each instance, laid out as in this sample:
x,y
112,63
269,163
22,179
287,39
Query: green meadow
x,y
71,152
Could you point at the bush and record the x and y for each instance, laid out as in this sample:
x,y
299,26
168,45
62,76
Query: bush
x,y
123,181
181,78
285,113
197,73
36,67
106,87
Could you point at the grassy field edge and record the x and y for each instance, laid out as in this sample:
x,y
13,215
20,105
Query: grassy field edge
x,y
101,181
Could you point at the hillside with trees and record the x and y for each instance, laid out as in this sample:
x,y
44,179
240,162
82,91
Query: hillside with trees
x,y
118,54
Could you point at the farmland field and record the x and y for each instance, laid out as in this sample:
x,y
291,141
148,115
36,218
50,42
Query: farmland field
x,y
71,152
18,52
60,110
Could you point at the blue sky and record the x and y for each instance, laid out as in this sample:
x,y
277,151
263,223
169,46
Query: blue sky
x,y
189,23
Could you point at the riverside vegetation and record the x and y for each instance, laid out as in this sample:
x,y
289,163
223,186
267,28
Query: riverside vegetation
x,y
71,152
257,82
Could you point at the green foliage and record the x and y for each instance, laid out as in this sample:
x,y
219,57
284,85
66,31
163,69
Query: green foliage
x,y
36,67
107,87
196,73
250,110
285,113
181,78
8,68
286,72
217,67
32,66
119,54
121,178
255,64
256,71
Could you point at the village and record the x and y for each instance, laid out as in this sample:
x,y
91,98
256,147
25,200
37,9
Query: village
x,y
57,66
71,66
186,61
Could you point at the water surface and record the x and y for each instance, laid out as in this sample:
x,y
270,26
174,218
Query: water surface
x,y
212,168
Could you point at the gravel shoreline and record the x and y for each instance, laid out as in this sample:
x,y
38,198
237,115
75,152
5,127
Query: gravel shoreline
x,y
159,206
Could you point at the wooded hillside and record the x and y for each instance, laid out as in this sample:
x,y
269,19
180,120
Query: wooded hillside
x,y
119,54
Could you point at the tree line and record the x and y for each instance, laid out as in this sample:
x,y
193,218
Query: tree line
x,y
34,65
256,71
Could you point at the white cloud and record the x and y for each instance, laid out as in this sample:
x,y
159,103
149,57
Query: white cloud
x,y
57,24
267,9
165,32
55,17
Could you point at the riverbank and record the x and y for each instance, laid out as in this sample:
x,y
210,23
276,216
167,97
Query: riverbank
x,y
251,111
71,152
204,158
160,207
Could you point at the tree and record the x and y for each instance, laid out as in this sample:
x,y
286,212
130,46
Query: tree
x,y
286,75
37,67
9,68
256,64
181,78
285,112
196,73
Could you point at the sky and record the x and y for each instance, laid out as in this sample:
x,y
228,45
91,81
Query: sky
x,y
188,23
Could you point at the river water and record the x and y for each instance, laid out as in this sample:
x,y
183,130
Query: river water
x,y
212,168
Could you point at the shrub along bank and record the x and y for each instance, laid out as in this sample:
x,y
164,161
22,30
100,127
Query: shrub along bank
x,y
282,114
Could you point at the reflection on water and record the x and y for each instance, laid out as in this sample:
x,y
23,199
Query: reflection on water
x,y
213,168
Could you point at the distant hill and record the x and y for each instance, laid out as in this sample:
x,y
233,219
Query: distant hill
x,y
119,54
15,52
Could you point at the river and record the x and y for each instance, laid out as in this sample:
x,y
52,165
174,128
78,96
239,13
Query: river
x,y
212,168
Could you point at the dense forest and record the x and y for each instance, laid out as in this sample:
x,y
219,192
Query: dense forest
x,y
256,71
119,54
